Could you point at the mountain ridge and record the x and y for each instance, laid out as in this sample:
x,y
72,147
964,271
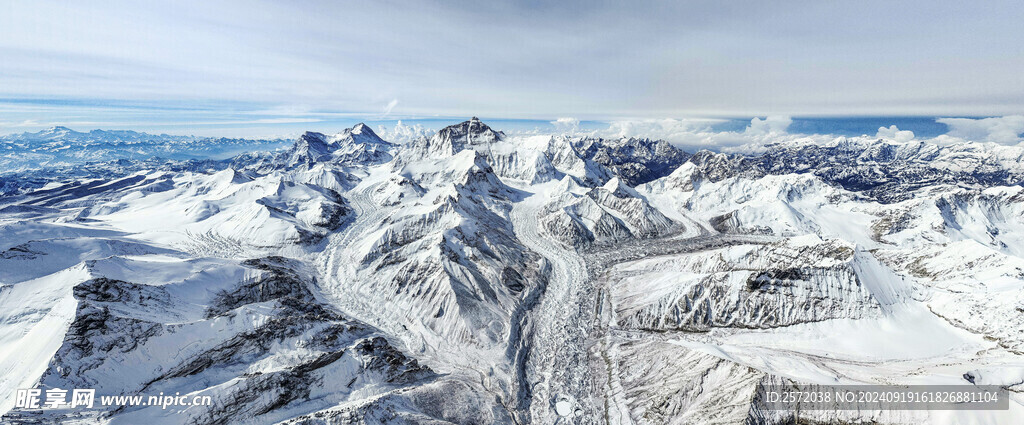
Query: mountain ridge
x,y
481,277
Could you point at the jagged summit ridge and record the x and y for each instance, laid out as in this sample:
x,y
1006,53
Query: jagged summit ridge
x,y
356,145
470,134
635,160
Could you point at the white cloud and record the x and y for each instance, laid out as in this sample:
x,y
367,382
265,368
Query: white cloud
x,y
403,133
696,134
1004,130
566,125
775,124
668,128
894,133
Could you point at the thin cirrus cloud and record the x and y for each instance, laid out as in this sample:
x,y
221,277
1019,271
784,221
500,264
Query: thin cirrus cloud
x,y
390,107
592,60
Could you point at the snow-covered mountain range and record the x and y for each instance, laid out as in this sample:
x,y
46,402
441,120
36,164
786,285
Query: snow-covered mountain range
x,y
63,147
476,277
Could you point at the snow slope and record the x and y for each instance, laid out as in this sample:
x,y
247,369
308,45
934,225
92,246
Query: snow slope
x,y
478,277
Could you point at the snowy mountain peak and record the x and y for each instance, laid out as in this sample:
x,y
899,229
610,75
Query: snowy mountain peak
x,y
475,132
313,141
358,134
620,189
58,129
55,132
356,145
637,161
312,137
471,134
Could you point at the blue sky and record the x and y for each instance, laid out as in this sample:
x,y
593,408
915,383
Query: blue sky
x,y
274,68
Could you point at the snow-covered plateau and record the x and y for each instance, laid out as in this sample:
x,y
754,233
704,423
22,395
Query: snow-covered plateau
x,y
476,277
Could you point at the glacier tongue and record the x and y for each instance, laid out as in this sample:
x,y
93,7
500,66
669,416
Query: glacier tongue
x,y
479,277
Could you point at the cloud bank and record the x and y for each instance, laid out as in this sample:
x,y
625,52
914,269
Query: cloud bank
x,y
698,134
1003,130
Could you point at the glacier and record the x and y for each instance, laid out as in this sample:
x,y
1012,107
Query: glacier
x,y
472,276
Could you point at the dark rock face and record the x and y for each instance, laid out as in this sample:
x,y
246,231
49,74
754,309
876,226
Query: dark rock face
x,y
468,133
280,282
104,337
635,161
